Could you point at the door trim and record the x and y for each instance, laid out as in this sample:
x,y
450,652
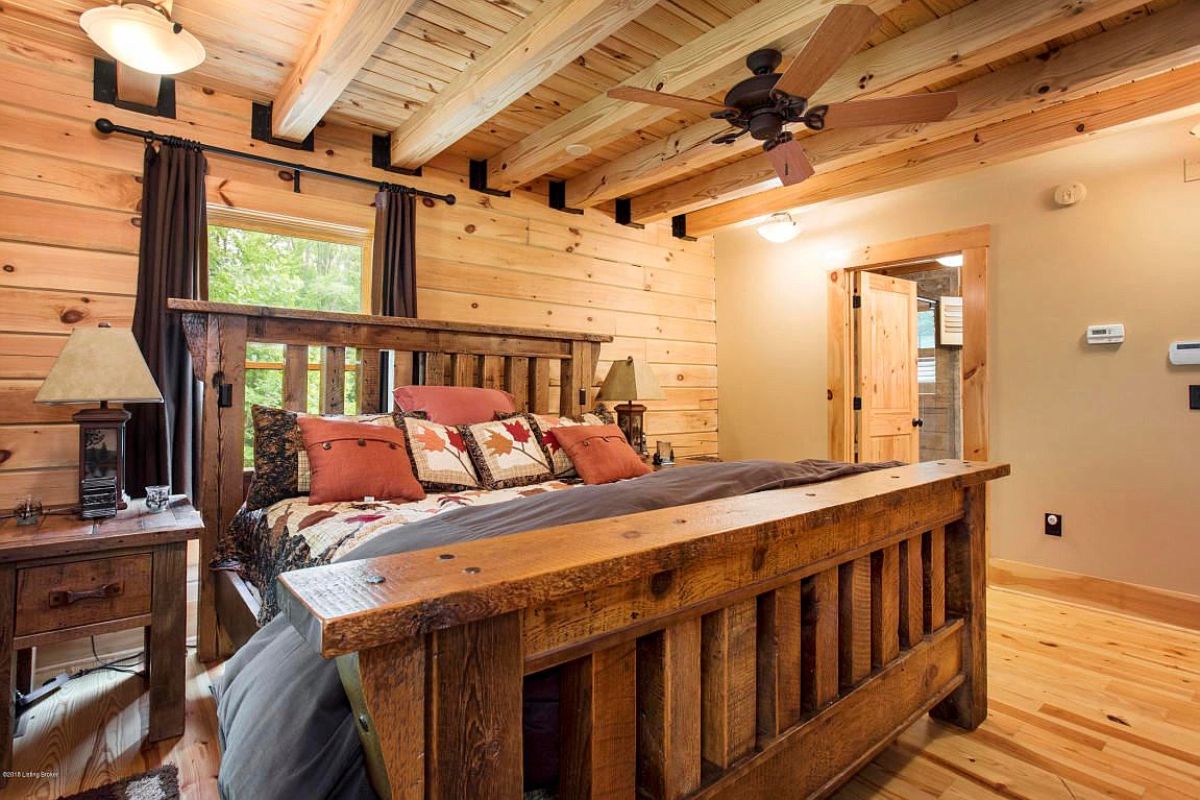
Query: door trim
x,y
974,244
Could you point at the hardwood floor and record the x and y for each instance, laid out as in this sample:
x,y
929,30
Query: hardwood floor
x,y
1083,705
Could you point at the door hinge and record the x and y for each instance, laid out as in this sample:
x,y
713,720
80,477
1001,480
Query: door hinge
x,y
857,301
858,404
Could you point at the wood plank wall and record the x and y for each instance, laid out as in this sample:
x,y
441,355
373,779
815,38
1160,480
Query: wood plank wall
x,y
69,239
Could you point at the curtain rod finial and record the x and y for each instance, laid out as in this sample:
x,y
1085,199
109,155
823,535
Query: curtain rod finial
x,y
105,125
451,199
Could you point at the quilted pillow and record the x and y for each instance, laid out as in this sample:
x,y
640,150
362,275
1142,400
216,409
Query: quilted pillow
x,y
354,461
439,454
281,468
507,452
454,405
600,453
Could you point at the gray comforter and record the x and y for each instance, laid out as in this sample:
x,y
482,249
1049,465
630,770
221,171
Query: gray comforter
x,y
285,724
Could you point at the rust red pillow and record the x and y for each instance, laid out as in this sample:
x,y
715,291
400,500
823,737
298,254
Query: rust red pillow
x,y
600,453
353,460
454,405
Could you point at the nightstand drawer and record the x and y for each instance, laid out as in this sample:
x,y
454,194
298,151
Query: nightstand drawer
x,y
78,593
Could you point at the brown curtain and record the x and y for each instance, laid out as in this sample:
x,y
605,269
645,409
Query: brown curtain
x,y
394,265
164,441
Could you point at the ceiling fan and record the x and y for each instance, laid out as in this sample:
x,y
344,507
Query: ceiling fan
x,y
763,105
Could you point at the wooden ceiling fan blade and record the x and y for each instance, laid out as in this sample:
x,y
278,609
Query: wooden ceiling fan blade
x,y
903,110
790,162
840,35
663,99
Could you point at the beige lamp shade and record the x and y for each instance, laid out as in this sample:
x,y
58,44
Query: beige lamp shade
x,y
630,380
101,364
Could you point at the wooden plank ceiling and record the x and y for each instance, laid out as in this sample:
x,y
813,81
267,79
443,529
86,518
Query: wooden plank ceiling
x,y
514,81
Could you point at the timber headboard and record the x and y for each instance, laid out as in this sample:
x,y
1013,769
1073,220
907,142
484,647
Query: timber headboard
x,y
523,361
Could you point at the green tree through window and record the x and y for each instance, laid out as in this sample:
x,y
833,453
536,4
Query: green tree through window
x,y
289,271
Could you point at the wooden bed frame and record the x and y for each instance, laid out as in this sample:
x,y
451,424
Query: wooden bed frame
x,y
758,646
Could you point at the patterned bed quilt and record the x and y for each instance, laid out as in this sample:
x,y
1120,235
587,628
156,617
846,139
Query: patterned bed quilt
x,y
291,534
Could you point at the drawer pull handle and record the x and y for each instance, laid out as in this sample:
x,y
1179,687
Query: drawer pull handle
x,y
65,597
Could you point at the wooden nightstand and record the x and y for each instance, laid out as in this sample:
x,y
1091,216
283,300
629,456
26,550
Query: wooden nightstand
x,y
67,578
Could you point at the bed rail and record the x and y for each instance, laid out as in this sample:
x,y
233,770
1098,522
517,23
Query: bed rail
x,y
524,361
737,648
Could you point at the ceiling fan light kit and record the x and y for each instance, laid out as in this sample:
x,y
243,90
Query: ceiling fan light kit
x,y
764,104
143,36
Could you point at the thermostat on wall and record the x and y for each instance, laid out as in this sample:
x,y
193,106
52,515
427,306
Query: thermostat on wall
x,y
1113,333
1185,352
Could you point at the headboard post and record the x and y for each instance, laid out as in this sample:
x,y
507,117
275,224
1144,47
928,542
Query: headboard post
x,y
222,341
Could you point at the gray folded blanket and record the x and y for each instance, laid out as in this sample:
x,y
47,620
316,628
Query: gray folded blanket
x,y
284,721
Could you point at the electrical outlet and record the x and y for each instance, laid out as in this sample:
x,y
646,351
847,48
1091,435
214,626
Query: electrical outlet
x,y
1053,524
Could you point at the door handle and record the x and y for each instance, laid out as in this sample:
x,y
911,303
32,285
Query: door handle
x,y
918,422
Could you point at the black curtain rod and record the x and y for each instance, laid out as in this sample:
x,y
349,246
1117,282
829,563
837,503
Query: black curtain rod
x,y
107,126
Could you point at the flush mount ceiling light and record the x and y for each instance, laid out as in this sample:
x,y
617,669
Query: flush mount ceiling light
x,y
578,150
955,260
779,228
143,36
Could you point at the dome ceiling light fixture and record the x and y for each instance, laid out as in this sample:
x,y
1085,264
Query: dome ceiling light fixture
x,y
143,36
779,228
954,260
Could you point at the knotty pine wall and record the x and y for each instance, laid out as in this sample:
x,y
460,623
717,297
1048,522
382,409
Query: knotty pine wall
x,y
69,239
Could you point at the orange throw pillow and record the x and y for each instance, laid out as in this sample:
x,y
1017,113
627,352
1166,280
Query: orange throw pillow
x,y
600,453
353,460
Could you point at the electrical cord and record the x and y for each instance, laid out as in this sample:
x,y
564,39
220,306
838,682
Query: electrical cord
x,y
124,664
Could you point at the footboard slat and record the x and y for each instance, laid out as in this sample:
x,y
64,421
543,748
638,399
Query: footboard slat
x,y
750,649
779,660
598,721
854,622
727,676
668,695
474,717
819,640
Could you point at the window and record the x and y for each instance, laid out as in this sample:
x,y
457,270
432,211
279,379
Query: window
x,y
926,341
289,265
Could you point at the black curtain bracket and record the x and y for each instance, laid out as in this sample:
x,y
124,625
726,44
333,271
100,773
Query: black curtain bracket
x,y
623,212
477,179
107,126
558,197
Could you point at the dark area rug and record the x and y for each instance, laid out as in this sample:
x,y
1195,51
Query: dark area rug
x,y
157,784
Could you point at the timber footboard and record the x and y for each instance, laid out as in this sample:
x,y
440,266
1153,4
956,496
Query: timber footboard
x,y
761,646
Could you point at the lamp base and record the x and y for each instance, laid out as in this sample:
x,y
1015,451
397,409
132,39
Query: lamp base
x,y
101,460
631,421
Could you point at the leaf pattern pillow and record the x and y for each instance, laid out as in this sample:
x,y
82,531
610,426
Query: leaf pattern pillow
x,y
507,452
439,454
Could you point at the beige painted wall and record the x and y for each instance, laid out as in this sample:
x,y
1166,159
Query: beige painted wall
x,y
1101,435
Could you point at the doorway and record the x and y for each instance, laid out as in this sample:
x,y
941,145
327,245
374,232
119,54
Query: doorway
x,y
908,350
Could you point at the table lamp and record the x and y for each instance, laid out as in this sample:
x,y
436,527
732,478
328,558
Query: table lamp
x,y
100,365
626,382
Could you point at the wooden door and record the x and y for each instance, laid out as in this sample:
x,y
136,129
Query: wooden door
x,y
888,427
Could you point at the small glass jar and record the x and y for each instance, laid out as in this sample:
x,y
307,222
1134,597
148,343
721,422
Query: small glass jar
x,y
157,498
28,511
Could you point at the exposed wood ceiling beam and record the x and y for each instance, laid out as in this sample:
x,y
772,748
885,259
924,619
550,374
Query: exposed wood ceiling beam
x,y
349,33
992,144
707,64
551,36
1162,41
977,34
